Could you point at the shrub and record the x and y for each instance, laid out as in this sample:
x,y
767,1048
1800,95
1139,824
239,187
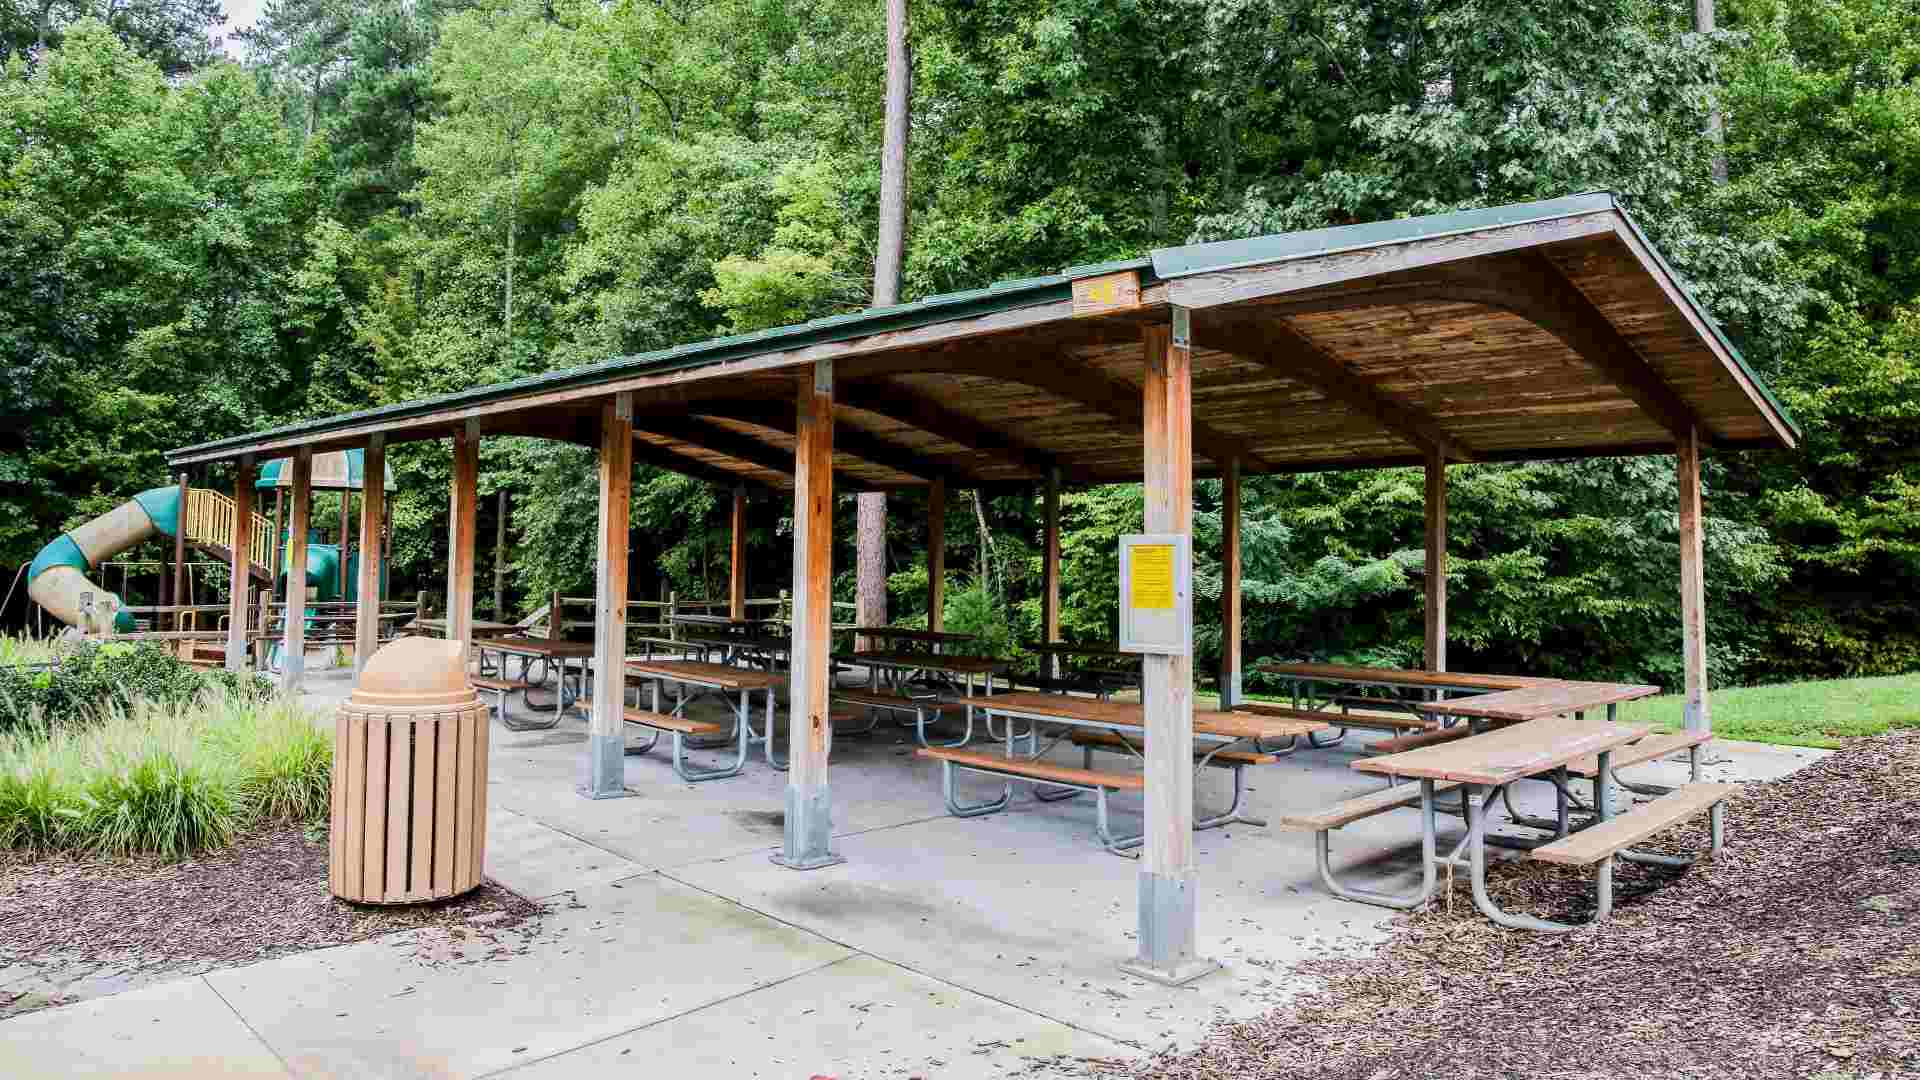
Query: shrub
x,y
168,778
84,678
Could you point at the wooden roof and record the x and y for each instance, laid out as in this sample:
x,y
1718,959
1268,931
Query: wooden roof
x,y
1540,330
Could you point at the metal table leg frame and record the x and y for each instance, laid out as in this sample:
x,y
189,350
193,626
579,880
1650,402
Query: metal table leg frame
x,y
1428,863
958,809
693,776
921,720
744,717
1477,871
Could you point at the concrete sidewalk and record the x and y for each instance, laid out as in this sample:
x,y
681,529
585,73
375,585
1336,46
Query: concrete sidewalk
x,y
942,948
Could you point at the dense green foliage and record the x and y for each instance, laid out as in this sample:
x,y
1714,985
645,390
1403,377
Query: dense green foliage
x,y
82,679
167,779
387,200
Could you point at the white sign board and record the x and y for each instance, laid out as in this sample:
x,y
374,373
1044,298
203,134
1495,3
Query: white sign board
x,y
1156,594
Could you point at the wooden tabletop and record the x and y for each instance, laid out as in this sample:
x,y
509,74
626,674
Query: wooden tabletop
x,y
720,676
1507,754
957,665
907,633
1384,676
719,620
1534,702
521,645
1079,710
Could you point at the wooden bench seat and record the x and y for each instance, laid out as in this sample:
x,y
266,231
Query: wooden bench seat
x,y
1107,740
883,699
1421,738
497,686
1361,806
1381,721
1610,837
1649,748
682,725
1039,772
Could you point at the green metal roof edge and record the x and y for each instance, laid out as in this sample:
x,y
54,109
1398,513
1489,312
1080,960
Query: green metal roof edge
x,y
1192,259
1000,296
1713,324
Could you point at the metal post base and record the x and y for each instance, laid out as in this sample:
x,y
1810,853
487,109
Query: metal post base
x,y
606,767
808,844
1167,932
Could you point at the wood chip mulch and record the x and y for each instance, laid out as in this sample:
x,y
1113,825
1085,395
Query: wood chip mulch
x,y
78,927
1794,954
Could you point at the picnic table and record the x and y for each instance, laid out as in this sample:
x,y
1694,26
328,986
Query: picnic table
x,y
1348,684
1100,681
705,679
734,638
559,654
1114,726
1556,698
438,627
1548,738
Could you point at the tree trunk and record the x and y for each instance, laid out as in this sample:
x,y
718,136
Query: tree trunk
x,y
513,235
1703,22
870,592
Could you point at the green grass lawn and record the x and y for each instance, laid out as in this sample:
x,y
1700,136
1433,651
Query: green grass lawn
x,y
1798,714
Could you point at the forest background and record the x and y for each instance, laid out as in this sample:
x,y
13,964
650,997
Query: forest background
x,y
367,201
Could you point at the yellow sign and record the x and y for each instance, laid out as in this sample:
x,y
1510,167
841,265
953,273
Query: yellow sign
x,y
1108,292
1151,586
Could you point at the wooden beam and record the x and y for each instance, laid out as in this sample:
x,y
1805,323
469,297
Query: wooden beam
x,y
1066,376
240,577
1436,543
373,514
275,554
674,461
937,554
180,587
1230,572
1693,587
607,740
852,442
1168,883
737,568
462,531
709,436
1277,344
500,556
346,497
896,403
1537,289
293,636
807,840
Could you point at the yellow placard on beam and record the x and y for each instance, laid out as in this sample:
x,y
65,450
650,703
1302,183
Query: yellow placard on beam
x,y
1107,293
1151,580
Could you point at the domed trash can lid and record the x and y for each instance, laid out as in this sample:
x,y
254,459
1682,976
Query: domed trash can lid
x,y
416,673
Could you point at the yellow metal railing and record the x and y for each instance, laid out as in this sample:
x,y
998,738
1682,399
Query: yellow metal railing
x,y
209,520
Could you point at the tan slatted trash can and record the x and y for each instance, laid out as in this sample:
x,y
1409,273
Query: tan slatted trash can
x,y
409,778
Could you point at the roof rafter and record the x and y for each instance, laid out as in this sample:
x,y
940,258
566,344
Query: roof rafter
x,y
740,447
1277,344
848,440
900,404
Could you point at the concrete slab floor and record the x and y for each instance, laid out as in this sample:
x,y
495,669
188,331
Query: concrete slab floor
x,y
177,1029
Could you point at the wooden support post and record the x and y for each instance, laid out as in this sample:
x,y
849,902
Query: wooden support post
x,y
181,588
1693,585
293,627
808,839
1167,880
937,554
1050,568
607,741
462,529
737,569
276,559
346,497
1436,634
500,559
1230,571
373,516
241,577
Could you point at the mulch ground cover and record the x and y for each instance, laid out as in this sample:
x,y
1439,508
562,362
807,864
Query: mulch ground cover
x,y
73,927
1796,953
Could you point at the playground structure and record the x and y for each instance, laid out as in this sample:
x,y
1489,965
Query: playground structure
x,y
61,579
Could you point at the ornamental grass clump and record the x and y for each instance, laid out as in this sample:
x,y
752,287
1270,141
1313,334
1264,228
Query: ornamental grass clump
x,y
166,778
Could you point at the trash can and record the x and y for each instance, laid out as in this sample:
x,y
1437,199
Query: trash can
x,y
409,778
